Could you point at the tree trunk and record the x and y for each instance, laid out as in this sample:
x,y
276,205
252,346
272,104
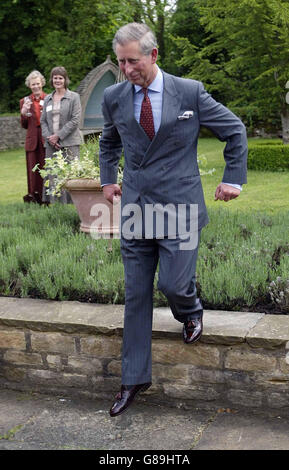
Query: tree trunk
x,y
285,125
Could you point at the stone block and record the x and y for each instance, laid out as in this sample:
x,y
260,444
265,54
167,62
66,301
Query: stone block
x,y
114,368
12,339
238,378
65,317
175,352
54,361
13,374
179,373
19,357
101,346
212,376
59,379
284,364
278,400
243,359
245,398
221,327
52,342
192,392
106,384
86,365
272,331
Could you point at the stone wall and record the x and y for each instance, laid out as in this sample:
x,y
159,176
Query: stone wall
x,y
69,348
12,135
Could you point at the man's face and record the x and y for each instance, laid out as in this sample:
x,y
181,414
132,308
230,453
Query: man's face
x,y
138,68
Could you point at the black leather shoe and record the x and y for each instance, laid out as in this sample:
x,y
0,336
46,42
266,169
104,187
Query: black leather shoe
x,y
126,396
37,197
29,198
192,330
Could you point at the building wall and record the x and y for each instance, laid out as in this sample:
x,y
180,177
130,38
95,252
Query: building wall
x,y
12,135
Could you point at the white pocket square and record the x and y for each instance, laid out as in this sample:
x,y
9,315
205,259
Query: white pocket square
x,y
186,115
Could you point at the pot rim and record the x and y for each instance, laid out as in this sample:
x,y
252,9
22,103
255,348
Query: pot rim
x,y
83,184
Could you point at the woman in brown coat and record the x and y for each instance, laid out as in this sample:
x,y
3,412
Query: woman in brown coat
x,y
31,108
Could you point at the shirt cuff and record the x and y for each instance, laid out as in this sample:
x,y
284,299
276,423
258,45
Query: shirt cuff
x,y
238,186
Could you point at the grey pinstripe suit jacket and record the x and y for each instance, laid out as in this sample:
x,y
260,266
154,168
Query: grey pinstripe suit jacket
x,y
165,170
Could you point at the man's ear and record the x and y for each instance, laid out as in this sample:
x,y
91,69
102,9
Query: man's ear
x,y
154,55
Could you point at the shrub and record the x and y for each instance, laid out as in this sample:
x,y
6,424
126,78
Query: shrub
x,y
279,293
43,255
268,156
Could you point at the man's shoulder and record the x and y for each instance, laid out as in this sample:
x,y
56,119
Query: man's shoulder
x,y
182,83
116,89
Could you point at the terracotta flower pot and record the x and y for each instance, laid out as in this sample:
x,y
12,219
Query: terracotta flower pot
x,y
98,216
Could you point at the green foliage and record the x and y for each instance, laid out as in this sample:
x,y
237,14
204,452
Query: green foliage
x,y
244,60
279,291
62,169
43,255
238,48
74,33
22,22
239,256
268,156
184,25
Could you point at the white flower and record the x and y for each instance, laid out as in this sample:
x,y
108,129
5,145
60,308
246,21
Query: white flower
x,y
63,170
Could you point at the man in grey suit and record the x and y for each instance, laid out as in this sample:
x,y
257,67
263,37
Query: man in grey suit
x,y
155,117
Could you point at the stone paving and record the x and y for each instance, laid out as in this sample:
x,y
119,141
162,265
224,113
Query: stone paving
x,y
32,421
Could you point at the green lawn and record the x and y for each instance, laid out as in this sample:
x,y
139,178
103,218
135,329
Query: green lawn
x,y
266,191
13,180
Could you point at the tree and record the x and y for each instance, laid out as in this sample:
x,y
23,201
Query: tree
x,y
21,22
184,23
74,33
245,58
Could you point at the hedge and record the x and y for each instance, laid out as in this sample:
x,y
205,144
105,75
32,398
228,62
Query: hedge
x,y
268,156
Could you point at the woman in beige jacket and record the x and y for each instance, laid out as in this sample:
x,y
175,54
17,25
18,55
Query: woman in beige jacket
x,y
60,121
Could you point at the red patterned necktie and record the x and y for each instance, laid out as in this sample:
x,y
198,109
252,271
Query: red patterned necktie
x,y
146,115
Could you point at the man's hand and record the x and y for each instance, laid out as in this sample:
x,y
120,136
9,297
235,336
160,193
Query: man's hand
x,y
112,192
225,192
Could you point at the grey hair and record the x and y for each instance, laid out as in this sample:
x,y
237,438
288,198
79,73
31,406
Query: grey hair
x,y
136,32
34,74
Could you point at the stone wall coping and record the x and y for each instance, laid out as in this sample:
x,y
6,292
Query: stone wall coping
x,y
220,327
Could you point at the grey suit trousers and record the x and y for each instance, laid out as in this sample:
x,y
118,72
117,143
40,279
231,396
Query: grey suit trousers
x,y
176,279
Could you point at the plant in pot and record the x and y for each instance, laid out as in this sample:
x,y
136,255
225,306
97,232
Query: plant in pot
x,y
81,177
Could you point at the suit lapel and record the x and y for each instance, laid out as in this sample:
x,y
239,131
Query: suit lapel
x,y
126,105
